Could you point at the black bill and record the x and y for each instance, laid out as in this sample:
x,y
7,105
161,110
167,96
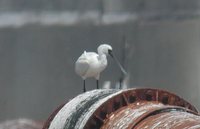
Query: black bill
x,y
117,61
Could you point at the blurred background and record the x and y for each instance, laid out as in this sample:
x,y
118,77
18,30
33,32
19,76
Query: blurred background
x,y
158,43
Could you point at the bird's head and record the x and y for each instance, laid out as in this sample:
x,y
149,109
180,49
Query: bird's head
x,y
105,49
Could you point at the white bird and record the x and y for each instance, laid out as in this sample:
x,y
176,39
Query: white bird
x,y
91,64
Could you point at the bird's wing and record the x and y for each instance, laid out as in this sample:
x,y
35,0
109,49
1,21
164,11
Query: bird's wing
x,y
90,55
81,67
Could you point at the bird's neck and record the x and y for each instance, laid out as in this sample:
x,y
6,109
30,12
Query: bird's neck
x,y
103,59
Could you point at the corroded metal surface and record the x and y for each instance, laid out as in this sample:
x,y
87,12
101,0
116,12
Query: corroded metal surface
x,y
128,115
133,96
124,109
145,114
170,120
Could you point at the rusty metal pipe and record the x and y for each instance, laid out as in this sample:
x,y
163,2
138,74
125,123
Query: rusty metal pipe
x,y
151,115
125,109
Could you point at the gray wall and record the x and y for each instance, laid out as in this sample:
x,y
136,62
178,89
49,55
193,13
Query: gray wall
x,y
38,49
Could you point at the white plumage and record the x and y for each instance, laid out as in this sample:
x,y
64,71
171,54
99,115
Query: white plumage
x,y
91,64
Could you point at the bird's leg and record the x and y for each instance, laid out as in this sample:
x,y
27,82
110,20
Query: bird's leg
x,y
84,89
97,84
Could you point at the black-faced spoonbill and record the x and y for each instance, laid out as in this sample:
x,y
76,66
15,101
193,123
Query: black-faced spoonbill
x,y
91,64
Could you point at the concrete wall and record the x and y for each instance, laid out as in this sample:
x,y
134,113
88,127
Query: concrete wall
x,y
38,49
114,5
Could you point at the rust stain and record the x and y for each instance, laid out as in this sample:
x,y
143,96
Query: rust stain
x,y
142,108
170,120
129,108
151,115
